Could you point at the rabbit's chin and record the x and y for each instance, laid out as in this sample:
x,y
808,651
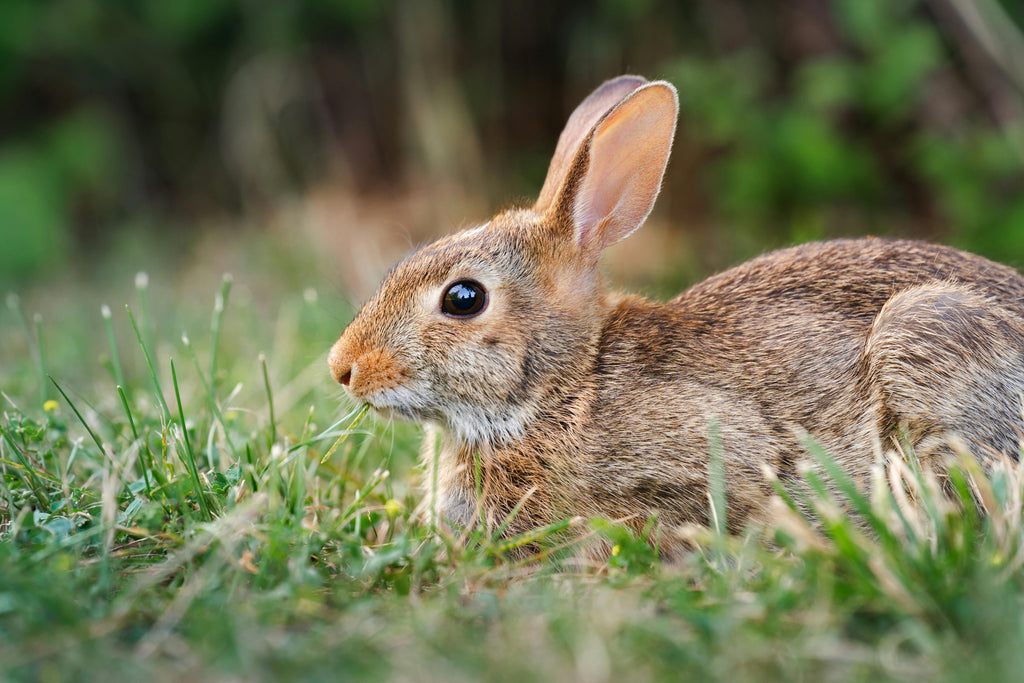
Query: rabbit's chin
x,y
469,424
395,413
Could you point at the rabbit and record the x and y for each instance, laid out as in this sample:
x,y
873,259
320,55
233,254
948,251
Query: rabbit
x,y
547,397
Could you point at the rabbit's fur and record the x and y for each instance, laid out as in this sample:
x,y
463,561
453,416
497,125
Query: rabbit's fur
x,y
570,400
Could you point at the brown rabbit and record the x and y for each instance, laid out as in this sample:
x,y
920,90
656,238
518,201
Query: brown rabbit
x,y
576,401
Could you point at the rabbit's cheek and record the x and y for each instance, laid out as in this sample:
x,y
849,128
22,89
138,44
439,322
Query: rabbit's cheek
x,y
481,373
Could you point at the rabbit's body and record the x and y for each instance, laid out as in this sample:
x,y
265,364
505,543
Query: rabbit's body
x,y
558,399
794,342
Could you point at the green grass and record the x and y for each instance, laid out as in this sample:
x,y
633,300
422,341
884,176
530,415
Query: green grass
x,y
205,506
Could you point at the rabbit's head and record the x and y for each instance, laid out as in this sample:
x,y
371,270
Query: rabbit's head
x,y
479,330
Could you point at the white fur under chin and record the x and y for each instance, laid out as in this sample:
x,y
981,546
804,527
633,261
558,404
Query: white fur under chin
x,y
403,402
476,426
469,424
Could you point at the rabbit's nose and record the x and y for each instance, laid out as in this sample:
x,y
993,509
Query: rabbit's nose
x,y
362,371
341,366
342,372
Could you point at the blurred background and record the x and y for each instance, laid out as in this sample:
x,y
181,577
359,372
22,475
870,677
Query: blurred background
x,y
266,135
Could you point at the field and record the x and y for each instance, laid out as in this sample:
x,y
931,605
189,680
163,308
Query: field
x,y
196,195
206,506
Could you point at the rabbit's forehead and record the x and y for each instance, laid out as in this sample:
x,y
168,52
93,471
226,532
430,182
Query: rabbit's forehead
x,y
432,267
476,254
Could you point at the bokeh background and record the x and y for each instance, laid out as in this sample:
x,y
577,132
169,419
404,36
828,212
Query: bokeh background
x,y
265,135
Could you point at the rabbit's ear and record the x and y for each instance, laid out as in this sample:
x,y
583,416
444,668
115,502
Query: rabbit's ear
x,y
578,127
616,175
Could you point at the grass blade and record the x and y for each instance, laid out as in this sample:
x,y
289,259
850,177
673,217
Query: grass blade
x,y
149,364
349,431
208,388
190,456
115,357
146,465
716,479
220,302
37,323
270,401
36,485
81,419
142,292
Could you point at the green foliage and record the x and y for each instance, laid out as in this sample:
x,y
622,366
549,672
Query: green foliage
x,y
843,142
979,175
112,110
73,164
33,224
869,118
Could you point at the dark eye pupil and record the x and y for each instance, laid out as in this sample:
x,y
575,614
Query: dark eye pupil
x,y
464,298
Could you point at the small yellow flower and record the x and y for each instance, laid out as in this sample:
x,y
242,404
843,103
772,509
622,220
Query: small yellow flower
x,y
392,507
616,549
50,406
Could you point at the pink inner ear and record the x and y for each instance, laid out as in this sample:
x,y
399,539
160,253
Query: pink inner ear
x,y
628,154
578,128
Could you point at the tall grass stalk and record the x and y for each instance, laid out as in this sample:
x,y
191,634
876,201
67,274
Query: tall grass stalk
x,y
78,414
147,459
32,342
208,389
190,458
37,325
219,306
147,324
149,364
272,436
115,356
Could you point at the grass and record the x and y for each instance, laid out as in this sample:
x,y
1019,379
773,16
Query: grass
x,y
182,507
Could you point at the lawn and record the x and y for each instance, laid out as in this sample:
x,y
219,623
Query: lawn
x,y
207,506
185,494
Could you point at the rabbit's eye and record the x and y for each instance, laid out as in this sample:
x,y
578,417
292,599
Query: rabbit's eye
x,y
464,299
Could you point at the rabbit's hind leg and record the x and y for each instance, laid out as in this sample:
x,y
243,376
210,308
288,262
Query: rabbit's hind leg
x,y
945,363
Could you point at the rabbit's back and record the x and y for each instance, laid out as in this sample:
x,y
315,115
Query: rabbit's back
x,y
851,277
824,338
799,320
